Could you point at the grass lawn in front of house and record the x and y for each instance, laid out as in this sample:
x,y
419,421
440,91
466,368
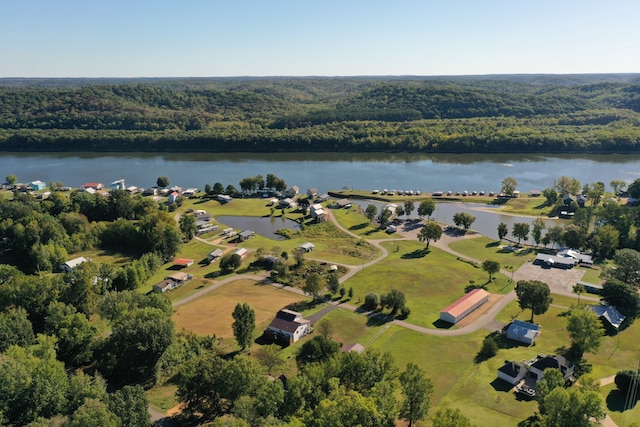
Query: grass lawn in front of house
x,y
533,206
430,280
211,313
615,404
458,380
591,275
483,248
357,223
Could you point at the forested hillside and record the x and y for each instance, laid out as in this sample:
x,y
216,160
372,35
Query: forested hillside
x,y
600,113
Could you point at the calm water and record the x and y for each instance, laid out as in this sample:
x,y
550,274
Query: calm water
x,y
325,171
264,226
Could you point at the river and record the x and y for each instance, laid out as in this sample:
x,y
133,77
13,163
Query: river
x,y
325,171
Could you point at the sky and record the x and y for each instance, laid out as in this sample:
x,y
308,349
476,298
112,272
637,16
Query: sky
x,y
216,38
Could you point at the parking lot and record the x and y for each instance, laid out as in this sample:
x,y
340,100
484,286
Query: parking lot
x,y
560,281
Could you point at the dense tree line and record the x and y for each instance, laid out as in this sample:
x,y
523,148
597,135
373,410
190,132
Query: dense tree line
x,y
323,115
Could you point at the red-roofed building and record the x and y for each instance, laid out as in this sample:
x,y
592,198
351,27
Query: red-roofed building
x,y
94,185
183,262
464,306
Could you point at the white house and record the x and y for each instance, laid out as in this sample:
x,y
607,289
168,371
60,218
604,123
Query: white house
x,y
511,372
71,264
118,185
524,332
317,212
542,362
288,326
307,247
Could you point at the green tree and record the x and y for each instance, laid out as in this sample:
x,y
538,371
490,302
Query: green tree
x,y
488,350
188,226
520,231
623,296
604,240
94,413
333,282
450,417
565,185
555,234
579,289
463,219
617,186
503,230
384,217
574,407
585,330
509,185
15,328
628,382
371,301
574,236
269,356
74,333
394,300
145,332
551,379
244,324
130,405
371,211
416,390
217,188
430,231
426,208
325,327
551,195
83,386
627,267
317,349
11,180
409,206
538,225
162,182
314,285
634,188
491,267
534,295
230,263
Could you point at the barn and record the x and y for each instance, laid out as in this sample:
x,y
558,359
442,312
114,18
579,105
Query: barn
x,y
464,306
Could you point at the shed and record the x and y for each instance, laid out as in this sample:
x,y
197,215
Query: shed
x,y
307,247
242,252
179,277
312,192
246,235
609,314
355,348
343,203
73,263
464,305
164,286
524,332
37,185
183,262
215,254
223,198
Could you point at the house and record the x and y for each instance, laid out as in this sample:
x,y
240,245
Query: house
x,y
246,235
37,185
176,188
213,255
132,189
324,197
242,252
286,203
576,255
581,200
71,264
94,185
312,192
183,262
511,372
523,332
223,198
355,348
190,192
118,185
542,362
288,326
535,193
609,315
90,190
307,247
179,277
153,191
317,212
343,203
555,261
291,191
568,199
173,197
207,228
164,286
464,306
229,232
43,196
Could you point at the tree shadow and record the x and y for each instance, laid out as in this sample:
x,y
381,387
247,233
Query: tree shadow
x,y
616,401
359,226
378,319
418,253
492,245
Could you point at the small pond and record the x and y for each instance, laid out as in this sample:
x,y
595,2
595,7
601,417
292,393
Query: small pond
x,y
265,226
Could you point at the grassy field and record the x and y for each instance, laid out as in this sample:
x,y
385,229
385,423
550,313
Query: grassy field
x,y
615,403
357,223
533,206
211,313
483,248
430,280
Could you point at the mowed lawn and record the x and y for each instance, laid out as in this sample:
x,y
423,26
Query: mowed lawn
x,y
430,280
212,313
357,223
483,248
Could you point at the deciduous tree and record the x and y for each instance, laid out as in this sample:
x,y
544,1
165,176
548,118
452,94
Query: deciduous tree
x,y
314,285
520,231
585,330
509,185
534,295
371,211
162,182
491,267
450,417
430,231
463,219
244,324
503,230
416,390
269,356
426,208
